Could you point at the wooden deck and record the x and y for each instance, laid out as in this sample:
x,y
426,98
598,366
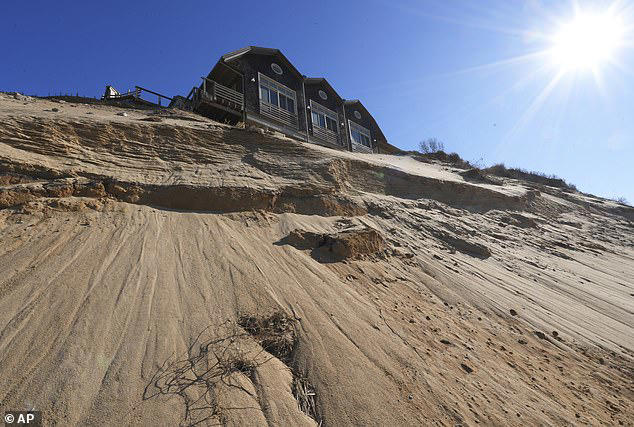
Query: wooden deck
x,y
220,96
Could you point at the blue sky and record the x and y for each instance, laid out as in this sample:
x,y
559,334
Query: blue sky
x,y
423,68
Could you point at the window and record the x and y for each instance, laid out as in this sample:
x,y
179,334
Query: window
x,y
287,103
273,97
277,94
331,124
264,94
323,117
359,134
276,68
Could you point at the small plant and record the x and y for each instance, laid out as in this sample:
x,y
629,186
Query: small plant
x,y
622,201
501,170
305,396
431,145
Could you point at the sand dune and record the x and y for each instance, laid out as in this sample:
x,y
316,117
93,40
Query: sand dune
x,y
182,271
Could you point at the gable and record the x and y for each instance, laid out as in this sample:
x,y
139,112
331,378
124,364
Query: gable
x,y
261,54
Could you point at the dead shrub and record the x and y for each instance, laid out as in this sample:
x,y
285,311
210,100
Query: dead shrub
x,y
210,360
276,334
501,170
305,395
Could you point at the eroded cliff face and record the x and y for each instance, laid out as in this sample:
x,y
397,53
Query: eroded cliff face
x,y
179,271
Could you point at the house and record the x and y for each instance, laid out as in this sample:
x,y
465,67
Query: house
x,y
260,86
256,85
326,117
364,133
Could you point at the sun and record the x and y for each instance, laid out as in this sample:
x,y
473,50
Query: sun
x,y
587,42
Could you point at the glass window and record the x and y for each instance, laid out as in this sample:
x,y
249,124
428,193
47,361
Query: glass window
x,y
359,137
273,95
331,124
322,121
287,103
315,118
264,94
277,94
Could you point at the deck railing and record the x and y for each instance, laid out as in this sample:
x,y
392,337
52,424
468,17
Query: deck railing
x,y
279,114
136,94
360,148
215,92
325,135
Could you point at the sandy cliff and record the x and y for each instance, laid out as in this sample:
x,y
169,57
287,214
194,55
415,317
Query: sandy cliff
x,y
163,269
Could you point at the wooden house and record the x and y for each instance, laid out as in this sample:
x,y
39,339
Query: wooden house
x,y
326,117
256,85
364,133
260,86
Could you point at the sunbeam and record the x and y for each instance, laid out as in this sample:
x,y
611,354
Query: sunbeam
x,y
538,101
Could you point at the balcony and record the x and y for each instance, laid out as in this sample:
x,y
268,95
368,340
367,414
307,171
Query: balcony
x,y
325,135
215,93
279,114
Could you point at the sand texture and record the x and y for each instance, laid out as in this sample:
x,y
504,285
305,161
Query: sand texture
x,y
164,269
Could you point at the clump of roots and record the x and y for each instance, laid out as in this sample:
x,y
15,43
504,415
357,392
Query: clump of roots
x,y
275,333
212,359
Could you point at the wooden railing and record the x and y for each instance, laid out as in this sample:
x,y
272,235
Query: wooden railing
x,y
215,92
140,89
325,134
136,94
360,148
279,114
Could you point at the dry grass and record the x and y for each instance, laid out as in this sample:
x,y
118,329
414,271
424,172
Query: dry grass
x,y
275,333
305,395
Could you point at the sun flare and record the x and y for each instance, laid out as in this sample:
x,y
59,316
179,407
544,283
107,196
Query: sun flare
x,y
587,42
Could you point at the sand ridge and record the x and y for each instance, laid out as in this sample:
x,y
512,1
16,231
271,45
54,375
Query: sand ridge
x,y
129,245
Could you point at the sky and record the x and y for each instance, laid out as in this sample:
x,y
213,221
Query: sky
x,y
484,77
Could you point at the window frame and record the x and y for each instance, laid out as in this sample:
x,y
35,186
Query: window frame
x,y
317,108
362,131
274,86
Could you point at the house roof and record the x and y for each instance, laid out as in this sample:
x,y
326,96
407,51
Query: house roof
x,y
321,80
352,102
261,51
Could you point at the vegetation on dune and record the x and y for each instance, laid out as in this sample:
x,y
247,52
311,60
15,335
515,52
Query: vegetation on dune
x,y
433,149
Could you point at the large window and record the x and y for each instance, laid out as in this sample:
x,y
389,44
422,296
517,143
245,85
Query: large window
x,y
276,94
323,117
325,123
359,134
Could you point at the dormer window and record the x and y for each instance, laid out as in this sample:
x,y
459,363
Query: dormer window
x,y
323,117
359,134
324,122
274,93
277,101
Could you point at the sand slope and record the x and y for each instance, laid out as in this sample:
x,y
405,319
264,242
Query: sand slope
x,y
133,250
